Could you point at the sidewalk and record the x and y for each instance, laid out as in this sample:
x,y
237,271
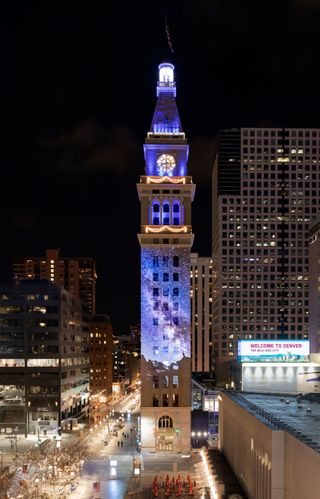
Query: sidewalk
x,y
162,465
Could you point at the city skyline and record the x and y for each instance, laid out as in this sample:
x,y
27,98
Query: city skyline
x,y
71,132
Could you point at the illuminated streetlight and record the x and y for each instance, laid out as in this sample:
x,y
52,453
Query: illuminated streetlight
x,y
113,468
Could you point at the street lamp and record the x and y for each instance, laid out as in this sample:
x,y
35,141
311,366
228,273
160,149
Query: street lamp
x,y
133,444
15,442
38,421
36,484
108,424
58,445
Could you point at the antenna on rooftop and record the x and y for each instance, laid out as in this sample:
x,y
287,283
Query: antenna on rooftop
x,y
167,31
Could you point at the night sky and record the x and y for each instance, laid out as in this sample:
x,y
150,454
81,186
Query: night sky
x,y
77,94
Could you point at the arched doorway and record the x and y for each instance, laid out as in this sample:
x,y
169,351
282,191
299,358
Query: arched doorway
x,y
165,434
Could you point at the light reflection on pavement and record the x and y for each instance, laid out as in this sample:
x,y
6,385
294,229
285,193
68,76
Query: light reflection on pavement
x,y
98,469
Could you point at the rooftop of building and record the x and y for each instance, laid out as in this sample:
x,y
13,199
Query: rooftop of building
x,y
203,381
31,284
21,259
101,318
49,254
298,415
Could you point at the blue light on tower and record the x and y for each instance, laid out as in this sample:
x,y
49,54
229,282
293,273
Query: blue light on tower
x,y
166,193
165,305
166,81
162,159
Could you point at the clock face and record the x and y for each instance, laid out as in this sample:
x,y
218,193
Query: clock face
x,y
166,164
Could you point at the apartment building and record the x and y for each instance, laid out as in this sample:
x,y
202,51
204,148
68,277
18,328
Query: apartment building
x,y
76,274
44,358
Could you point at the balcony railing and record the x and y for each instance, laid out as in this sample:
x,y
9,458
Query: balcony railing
x,y
166,229
12,401
144,179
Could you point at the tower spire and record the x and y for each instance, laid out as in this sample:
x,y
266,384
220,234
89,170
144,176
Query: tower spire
x,y
166,129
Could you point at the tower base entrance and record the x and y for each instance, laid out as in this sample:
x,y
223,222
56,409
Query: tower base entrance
x,y
165,429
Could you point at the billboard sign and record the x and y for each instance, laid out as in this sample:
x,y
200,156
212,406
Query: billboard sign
x,y
273,350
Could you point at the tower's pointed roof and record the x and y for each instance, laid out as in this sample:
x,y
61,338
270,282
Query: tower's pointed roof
x,y
166,119
166,139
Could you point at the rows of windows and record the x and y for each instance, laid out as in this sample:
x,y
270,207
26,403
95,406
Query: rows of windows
x,y
258,277
166,260
273,152
166,292
260,132
165,381
167,401
165,277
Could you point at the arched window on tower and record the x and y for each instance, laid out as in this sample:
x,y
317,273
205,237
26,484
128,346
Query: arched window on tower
x,y
165,422
176,213
166,213
156,213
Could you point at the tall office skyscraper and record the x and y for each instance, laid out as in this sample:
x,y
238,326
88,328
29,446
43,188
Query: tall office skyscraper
x,y
165,192
314,285
201,283
76,274
265,193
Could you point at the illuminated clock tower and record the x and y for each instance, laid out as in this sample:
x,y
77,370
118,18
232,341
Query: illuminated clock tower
x,y
166,193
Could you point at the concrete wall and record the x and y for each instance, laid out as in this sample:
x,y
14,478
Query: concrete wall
x,y
270,464
301,470
251,447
